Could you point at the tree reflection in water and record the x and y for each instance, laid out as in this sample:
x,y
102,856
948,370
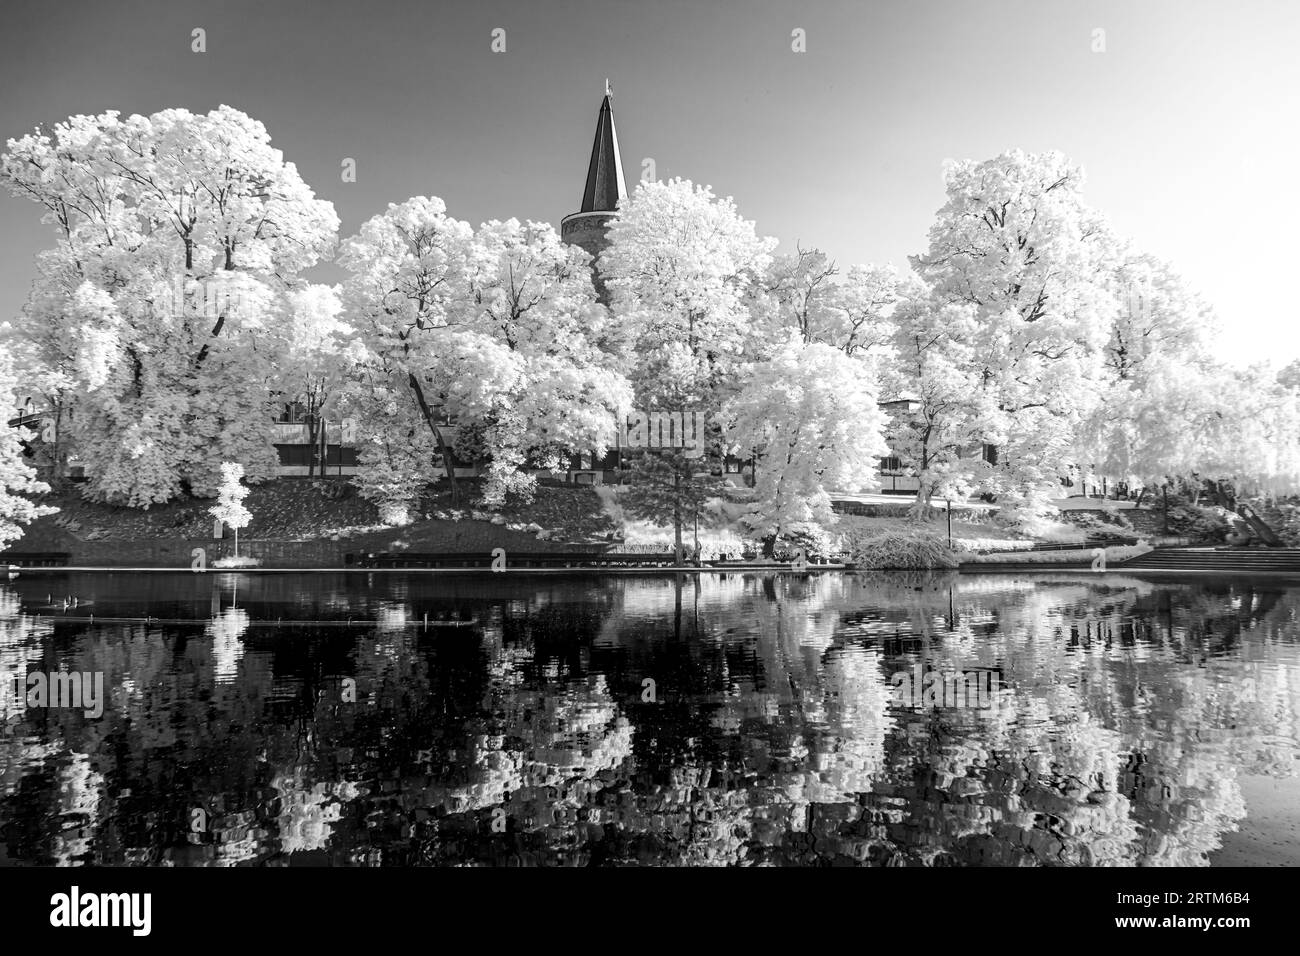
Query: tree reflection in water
x,y
713,720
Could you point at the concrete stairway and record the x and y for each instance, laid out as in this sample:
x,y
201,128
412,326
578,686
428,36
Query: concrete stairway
x,y
1248,560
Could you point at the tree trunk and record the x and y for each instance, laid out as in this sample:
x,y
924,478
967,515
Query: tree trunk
x,y
58,451
921,509
203,352
677,518
437,432
313,434
769,546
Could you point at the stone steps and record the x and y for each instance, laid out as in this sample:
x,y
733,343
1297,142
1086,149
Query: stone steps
x,y
1254,560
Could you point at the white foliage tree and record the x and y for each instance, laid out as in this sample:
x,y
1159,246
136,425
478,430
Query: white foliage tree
x,y
798,290
157,312
17,478
939,441
812,415
314,367
231,493
406,294
1169,404
533,293
499,332
849,311
682,269
1016,240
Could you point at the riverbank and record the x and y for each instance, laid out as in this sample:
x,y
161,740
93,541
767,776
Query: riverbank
x,y
578,569
322,524
309,524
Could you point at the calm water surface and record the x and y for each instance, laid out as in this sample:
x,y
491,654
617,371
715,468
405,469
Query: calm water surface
x,y
417,718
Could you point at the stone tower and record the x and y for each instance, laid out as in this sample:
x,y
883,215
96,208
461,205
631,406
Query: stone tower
x,y
605,187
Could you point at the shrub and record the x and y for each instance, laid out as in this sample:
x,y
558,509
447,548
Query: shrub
x,y
335,490
395,514
1200,524
1113,554
1110,519
1116,517
233,561
392,488
1047,525
1288,524
810,536
901,549
992,544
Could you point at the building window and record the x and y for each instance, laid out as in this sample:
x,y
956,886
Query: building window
x,y
292,413
301,456
294,455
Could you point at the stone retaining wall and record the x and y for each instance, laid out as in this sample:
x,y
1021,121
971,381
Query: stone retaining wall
x,y
177,553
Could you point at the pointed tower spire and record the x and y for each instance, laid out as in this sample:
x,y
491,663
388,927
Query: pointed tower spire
x,y
605,184
605,187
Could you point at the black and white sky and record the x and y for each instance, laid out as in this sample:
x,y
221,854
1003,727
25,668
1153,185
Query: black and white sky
x,y
1185,124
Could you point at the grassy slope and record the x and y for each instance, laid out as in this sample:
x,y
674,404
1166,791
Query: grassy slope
x,y
298,510
971,533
